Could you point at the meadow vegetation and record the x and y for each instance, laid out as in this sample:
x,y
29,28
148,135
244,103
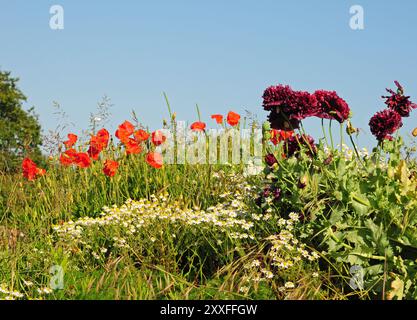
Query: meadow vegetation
x,y
314,220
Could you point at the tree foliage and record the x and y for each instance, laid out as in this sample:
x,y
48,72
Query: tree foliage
x,y
20,131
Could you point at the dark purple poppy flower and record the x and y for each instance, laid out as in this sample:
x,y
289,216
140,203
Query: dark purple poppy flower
x,y
384,123
277,194
267,192
270,159
288,107
331,106
294,143
398,102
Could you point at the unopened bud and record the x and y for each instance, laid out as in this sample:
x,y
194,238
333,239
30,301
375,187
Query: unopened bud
x,y
302,183
350,129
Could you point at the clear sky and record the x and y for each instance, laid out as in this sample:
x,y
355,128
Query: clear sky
x,y
219,54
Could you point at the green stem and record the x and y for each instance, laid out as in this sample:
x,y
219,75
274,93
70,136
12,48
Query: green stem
x,y
331,136
324,132
198,112
356,150
168,105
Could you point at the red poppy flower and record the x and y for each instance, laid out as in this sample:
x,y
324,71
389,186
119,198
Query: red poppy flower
x,y
82,160
94,151
132,146
68,157
278,135
233,118
72,139
141,135
30,170
103,137
98,143
124,131
218,118
110,168
198,126
155,159
158,138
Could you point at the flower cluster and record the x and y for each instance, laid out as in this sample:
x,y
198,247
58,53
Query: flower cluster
x,y
232,119
30,170
285,251
280,135
8,294
347,153
133,216
130,138
386,122
98,143
288,107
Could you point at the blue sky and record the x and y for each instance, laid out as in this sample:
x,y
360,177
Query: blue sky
x,y
219,54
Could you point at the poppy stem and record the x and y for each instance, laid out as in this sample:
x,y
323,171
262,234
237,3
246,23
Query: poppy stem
x,y
324,132
330,132
356,149
168,105
198,112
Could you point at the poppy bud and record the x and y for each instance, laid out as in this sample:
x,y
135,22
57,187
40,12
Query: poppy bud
x,y
266,126
302,182
414,133
350,129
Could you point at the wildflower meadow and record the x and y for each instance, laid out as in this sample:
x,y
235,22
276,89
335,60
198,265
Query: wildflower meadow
x,y
221,208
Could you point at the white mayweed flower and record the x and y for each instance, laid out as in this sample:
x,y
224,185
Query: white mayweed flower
x,y
28,283
252,170
255,263
289,285
244,289
16,294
